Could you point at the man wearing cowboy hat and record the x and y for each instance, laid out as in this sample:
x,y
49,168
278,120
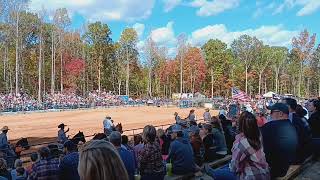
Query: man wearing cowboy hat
x,y
3,138
207,115
108,125
62,134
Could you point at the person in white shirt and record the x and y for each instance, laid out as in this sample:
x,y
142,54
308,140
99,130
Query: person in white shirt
x,y
207,115
108,125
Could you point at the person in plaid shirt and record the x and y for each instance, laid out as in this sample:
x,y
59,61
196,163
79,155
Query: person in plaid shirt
x,y
45,168
248,159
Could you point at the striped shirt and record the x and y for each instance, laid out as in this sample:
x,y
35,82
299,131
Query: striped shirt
x,y
45,169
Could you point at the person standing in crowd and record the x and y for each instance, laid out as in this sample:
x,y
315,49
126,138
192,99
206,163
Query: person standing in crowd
x,y
126,156
108,125
303,131
314,122
207,115
208,143
150,158
164,141
99,160
62,137
228,130
280,140
248,159
138,145
180,153
177,118
3,170
69,163
45,168
192,115
218,138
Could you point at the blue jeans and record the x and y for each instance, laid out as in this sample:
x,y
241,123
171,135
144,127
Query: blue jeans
x,y
222,173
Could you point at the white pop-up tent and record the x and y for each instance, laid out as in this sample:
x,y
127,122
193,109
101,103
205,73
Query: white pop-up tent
x,y
269,94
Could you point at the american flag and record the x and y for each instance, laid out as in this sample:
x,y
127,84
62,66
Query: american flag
x,y
239,95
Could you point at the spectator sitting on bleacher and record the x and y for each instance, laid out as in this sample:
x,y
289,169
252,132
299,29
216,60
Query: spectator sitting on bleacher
x,y
99,160
280,140
126,156
17,166
196,143
218,138
69,163
208,143
180,153
150,159
46,167
3,170
248,160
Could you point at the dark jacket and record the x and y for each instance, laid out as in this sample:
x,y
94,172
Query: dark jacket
x,y
219,140
181,156
304,137
280,142
209,148
5,174
69,167
314,122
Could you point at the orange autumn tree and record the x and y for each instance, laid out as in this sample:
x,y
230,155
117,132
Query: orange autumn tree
x,y
194,70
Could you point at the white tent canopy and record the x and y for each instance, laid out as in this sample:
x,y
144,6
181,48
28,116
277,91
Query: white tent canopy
x,y
269,94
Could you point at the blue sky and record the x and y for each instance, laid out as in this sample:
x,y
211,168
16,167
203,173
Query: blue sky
x,y
273,21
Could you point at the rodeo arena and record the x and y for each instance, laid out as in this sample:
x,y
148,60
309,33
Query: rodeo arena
x,y
189,136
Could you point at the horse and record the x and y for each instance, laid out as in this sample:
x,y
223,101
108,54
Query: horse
x,y
78,137
118,128
99,136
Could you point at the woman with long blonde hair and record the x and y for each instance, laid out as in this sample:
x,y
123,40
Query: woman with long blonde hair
x,y
99,160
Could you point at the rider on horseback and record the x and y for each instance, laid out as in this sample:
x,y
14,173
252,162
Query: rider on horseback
x,y
108,125
4,145
62,134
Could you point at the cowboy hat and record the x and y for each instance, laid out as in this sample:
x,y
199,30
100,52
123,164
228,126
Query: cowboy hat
x,y
61,125
4,128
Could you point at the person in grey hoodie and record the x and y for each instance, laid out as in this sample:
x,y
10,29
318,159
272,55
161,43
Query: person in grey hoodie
x,y
181,153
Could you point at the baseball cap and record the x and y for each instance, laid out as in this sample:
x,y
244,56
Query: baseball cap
x,y
279,107
176,128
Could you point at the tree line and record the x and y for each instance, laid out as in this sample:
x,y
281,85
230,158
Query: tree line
x,y
39,56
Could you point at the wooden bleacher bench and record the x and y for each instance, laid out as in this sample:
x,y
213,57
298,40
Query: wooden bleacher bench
x,y
294,170
200,175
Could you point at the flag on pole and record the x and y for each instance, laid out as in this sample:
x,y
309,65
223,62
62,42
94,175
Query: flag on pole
x,y
239,95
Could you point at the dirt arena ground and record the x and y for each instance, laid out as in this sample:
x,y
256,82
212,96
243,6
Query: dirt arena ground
x,y
43,126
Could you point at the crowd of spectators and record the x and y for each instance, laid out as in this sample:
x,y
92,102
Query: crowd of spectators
x,y
260,149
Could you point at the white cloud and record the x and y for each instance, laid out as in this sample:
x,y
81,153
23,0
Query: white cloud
x,y
139,28
308,6
211,8
164,35
272,35
170,4
102,10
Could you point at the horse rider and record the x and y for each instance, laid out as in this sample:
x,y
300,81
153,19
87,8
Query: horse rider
x,y
177,118
108,125
192,116
207,115
4,145
62,134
